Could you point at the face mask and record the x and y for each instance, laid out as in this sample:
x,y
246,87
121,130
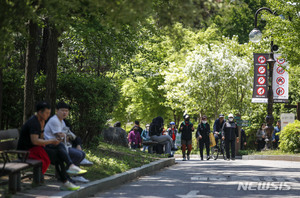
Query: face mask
x,y
230,119
204,122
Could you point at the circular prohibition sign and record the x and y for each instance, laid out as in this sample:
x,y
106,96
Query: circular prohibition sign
x,y
260,91
280,91
280,80
261,80
280,61
261,59
261,70
280,70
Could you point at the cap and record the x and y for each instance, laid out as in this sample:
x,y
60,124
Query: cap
x,y
221,116
230,115
172,123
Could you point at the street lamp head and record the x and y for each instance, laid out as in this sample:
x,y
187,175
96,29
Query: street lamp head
x,y
255,35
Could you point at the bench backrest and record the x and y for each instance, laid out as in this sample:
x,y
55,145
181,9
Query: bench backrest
x,y
9,139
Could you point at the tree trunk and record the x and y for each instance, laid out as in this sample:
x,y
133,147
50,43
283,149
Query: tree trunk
x,y
51,67
30,71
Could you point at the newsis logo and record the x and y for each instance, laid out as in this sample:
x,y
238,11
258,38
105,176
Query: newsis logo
x,y
263,186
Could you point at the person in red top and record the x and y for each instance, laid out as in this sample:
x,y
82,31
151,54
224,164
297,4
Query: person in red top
x,y
172,131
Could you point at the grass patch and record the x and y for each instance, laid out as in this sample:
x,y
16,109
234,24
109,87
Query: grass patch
x,y
272,152
111,159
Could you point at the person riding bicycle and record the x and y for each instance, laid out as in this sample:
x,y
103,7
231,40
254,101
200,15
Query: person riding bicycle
x,y
218,125
202,135
229,134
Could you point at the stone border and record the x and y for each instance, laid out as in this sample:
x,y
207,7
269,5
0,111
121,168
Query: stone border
x,y
115,180
272,157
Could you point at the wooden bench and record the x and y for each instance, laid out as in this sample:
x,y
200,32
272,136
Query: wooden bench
x,y
13,167
150,145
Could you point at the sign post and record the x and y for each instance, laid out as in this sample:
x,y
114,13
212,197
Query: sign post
x,y
260,84
280,80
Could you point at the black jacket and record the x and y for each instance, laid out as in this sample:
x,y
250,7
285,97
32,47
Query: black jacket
x,y
186,131
218,126
203,131
230,131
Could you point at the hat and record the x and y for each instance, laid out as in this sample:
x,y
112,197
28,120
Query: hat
x,y
221,116
147,125
230,115
186,116
172,123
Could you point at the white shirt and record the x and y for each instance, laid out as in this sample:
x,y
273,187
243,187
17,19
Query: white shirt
x,y
54,125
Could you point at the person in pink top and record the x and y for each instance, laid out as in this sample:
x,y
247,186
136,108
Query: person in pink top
x,y
134,138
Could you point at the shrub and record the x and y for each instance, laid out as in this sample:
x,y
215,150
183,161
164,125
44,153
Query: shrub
x,y
290,137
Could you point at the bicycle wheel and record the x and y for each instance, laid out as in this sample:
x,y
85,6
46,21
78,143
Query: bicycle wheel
x,y
214,153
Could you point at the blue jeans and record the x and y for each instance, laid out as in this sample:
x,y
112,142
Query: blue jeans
x,y
76,155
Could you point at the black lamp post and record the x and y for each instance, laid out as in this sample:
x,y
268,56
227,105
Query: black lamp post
x,y
255,36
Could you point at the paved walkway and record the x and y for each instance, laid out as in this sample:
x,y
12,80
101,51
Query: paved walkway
x,y
195,178
201,171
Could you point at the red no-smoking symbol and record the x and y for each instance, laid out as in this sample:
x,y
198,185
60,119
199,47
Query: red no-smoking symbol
x,y
261,59
261,80
280,61
260,91
261,70
280,80
280,70
279,91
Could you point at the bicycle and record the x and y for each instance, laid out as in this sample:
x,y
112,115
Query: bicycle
x,y
219,150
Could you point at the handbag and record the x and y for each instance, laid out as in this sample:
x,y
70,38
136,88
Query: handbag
x,y
212,141
178,140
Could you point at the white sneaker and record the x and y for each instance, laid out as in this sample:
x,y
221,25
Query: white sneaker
x,y
69,186
85,162
75,170
80,179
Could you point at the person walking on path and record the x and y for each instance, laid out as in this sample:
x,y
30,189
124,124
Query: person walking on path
x,y
186,128
172,132
230,134
260,137
202,136
243,139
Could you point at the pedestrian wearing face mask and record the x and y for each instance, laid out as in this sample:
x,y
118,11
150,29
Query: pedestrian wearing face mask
x,y
202,136
230,134
186,128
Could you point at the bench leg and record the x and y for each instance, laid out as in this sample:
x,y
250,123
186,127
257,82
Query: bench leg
x,y
37,175
14,183
150,149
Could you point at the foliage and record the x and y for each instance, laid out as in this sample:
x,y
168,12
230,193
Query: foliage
x,y
12,98
91,98
285,28
236,18
214,79
289,137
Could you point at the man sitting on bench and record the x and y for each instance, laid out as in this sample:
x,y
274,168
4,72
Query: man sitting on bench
x,y
31,138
